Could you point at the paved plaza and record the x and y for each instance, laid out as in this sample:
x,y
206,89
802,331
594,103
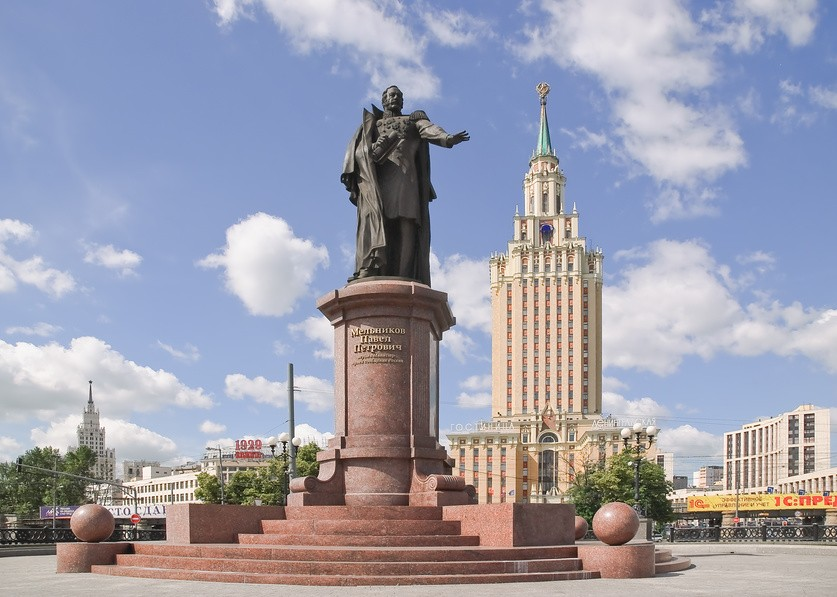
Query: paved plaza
x,y
718,569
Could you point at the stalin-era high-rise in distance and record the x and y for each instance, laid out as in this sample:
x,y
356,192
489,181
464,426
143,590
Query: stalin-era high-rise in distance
x,y
546,356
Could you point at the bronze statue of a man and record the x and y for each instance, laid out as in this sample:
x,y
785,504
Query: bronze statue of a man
x,y
387,174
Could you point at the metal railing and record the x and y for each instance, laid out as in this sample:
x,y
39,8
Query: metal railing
x,y
24,536
790,533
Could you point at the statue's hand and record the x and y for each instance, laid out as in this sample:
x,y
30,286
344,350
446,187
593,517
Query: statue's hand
x,y
459,138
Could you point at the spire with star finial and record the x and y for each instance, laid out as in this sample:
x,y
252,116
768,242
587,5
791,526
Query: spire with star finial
x,y
544,147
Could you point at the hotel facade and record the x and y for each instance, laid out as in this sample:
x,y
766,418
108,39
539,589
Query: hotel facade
x,y
546,356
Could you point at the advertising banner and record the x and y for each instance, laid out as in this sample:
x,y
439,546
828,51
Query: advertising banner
x,y
145,511
760,501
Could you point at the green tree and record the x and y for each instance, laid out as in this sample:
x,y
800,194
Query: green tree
x,y
614,482
209,489
306,460
23,492
266,484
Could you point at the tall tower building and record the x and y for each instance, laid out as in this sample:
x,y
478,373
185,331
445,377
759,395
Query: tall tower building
x,y
546,350
92,435
546,300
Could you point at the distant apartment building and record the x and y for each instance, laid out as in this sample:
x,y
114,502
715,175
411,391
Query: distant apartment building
x,y
778,450
161,485
707,477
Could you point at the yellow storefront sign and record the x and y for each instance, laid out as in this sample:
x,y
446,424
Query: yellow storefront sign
x,y
759,501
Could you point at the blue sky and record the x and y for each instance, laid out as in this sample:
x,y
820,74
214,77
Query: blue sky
x,y
170,204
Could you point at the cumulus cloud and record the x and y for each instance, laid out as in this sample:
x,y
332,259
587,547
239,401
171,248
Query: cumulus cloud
x,y
39,329
33,270
10,448
655,63
319,331
688,442
823,96
745,24
476,392
130,441
454,28
124,262
698,312
309,434
316,394
375,35
466,282
40,381
190,354
211,427
266,265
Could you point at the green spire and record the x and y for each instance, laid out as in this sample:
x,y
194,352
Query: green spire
x,y
544,147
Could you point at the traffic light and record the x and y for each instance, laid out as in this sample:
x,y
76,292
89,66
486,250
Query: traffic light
x,y
20,464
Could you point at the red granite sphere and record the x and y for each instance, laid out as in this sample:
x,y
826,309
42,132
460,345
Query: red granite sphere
x,y
580,527
615,523
92,523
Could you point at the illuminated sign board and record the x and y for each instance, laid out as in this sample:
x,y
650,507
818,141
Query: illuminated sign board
x,y
759,501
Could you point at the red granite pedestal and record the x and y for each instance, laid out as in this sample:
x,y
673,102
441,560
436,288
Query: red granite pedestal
x,y
386,385
385,508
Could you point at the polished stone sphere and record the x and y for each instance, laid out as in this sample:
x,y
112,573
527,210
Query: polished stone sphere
x,y
615,523
92,523
580,527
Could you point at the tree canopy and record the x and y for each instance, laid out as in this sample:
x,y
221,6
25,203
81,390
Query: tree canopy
x,y
266,484
24,492
613,481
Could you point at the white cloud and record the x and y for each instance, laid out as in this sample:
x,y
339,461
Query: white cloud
x,y
318,330
41,329
41,381
210,427
745,24
477,392
827,98
466,282
190,355
32,271
130,441
642,409
376,35
309,434
454,29
688,442
265,265
315,393
460,345
123,261
698,313
653,61
10,448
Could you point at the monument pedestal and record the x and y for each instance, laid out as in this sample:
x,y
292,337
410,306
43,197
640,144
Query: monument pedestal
x,y
386,385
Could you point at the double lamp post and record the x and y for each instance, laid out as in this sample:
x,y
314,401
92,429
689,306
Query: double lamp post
x,y
283,439
639,447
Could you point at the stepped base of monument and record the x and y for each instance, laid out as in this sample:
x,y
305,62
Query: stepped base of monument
x,y
390,545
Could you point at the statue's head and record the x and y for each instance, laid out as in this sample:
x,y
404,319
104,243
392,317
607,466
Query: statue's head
x,y
392,98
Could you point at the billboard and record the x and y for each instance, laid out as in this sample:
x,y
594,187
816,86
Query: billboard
x,y
145,511
759,501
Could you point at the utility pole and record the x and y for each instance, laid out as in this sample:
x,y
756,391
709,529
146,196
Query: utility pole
x,y
291,429
221,472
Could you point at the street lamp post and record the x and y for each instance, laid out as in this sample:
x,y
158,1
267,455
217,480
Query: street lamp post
x,y
273,442
640,436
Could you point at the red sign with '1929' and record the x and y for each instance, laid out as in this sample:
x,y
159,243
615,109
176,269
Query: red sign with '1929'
x,y
248,448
